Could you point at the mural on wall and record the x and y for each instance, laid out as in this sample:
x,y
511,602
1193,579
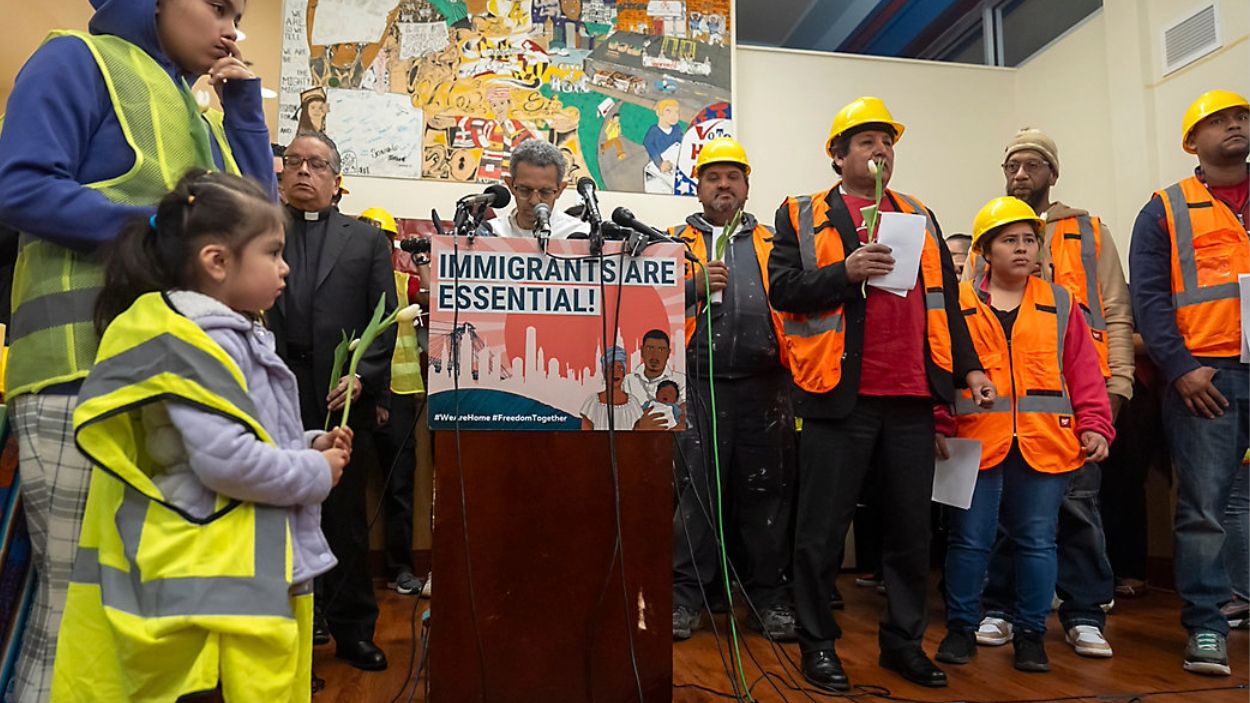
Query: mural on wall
x,y
629,90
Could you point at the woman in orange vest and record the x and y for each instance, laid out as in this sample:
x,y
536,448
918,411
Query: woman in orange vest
x,y
1052,416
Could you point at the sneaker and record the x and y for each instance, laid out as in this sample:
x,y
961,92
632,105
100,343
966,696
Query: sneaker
x,y
1130,588
428,588
1237,612
1207,653
1088,641
406,583
1030,652
869,580
958,647
994,632
685,622
776,623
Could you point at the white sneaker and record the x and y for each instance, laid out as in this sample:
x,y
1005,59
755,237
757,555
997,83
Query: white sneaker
x,y
1088,641
994,632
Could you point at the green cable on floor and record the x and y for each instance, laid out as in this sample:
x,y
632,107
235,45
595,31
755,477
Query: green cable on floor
x,y
720,512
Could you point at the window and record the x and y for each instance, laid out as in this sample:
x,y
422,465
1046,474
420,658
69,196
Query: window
x,y
1028,25
1014,30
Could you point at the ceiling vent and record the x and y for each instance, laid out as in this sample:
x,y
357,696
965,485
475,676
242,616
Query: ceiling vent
x,y
1191,38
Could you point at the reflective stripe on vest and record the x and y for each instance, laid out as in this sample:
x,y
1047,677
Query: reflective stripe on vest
x,y
1039,418
262,594
1210,249
814,324
53,339
1075,267
406,359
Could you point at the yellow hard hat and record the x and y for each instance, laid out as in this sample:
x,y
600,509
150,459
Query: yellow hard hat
x,y
858,112
1206,105
381,218
1000,211
722,150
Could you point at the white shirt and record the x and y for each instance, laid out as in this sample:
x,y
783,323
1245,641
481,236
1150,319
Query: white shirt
x,y
639,386
597,412
562,225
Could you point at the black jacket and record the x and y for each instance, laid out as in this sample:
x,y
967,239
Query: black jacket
x,y
354,270
794,290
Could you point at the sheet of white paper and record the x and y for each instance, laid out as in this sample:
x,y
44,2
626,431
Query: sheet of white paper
x,y
1244,281
350,21
954,479
904,234
416,39
377,135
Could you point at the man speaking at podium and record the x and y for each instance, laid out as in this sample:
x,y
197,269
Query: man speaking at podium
x,y
755,423
536,176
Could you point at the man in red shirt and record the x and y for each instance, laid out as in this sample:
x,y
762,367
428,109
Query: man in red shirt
x,y
868,366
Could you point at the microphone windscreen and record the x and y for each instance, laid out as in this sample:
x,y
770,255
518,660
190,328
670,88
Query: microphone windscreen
x,y
502,196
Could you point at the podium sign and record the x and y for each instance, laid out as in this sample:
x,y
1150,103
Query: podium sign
x,y
522,340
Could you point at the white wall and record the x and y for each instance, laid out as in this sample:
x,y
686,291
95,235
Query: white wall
x,y
1101,94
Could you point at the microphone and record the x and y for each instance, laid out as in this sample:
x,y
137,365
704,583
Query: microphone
x,y
586,189
495,196
417,245
542,224
623,217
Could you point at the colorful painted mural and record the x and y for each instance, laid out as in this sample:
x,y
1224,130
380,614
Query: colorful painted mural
x,y
444,89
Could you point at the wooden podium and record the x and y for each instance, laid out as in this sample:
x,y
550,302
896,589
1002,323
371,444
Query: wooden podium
x,y
550,612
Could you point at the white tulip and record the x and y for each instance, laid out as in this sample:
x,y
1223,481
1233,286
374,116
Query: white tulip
x,y
408,314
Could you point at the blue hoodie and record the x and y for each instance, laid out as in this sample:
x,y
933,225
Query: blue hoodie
x,y
61,132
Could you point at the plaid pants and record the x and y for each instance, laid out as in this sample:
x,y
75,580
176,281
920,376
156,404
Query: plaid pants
x,y
55,477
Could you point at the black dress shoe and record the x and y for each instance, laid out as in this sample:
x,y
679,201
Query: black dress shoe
x,y
362,655
913,665
321,631
823,669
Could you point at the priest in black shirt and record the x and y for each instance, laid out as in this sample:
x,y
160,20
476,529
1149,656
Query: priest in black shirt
x,y
339,269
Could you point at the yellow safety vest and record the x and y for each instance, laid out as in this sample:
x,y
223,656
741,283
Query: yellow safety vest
x,y
406,359
162,603
52,336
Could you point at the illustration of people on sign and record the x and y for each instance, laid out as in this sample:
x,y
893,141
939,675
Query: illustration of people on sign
x,y
313,109
672,412
663,144
612,137
626,410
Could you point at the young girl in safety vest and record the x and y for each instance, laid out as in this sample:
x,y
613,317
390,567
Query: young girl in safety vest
x,y
1052,415
201,534
99,126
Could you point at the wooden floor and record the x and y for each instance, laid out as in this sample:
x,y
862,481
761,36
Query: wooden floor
x,y
1145,633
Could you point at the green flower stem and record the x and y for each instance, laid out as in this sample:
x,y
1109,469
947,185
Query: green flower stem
x,y
873,218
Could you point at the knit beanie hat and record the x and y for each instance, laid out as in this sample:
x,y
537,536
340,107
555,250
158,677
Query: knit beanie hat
x,y
1035,139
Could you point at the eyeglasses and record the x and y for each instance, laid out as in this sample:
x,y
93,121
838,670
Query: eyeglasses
x,y
315,163
1031,167
525,192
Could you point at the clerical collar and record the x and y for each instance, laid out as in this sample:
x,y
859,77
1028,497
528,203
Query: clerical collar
x,y
309,215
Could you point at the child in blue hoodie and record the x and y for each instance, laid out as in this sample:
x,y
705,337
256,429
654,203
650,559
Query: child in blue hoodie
x,y
99,126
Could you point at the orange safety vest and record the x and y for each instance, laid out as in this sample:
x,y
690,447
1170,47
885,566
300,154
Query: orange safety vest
x,y
1075,248
1033,406
762,238
814,343
1210,248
